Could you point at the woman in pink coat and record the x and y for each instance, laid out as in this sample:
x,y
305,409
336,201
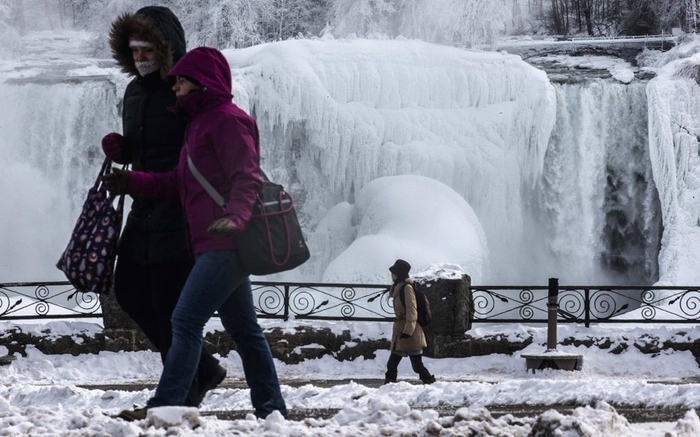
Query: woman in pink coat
x,y
223,144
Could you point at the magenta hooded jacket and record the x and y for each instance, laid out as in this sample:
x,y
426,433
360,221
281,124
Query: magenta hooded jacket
x,y
223,143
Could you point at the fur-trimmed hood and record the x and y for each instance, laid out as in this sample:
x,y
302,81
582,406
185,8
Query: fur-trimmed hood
x,y
158,25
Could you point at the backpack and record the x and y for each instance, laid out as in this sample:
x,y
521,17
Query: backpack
x,y
422,304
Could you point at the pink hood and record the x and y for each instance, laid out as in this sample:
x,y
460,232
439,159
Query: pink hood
x,y
223,143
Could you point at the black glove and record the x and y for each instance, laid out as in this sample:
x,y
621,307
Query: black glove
x,y
404,335
117,181
112,145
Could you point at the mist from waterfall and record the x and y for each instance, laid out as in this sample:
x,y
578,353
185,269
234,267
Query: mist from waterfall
x,y
51,155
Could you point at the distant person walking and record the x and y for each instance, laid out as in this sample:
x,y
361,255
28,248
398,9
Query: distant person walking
x,y
223,145
154,261
408,338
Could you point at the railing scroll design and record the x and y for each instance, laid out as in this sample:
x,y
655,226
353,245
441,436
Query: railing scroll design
x,y
39,300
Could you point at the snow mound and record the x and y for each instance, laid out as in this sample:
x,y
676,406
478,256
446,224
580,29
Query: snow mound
x,y
414,218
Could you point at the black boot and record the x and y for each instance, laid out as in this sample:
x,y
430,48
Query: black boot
x,y
428,379
392,368
419,368
215,378
209,374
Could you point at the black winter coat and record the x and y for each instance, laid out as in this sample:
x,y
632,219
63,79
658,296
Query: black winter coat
x,y
155,230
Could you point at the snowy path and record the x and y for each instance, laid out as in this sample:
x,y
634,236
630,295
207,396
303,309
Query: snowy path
x,y
633,413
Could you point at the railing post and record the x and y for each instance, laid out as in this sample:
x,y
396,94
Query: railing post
x,y
286,302
551,358
552,309
587,307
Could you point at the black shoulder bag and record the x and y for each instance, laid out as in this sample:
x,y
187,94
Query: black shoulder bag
x,y
272,242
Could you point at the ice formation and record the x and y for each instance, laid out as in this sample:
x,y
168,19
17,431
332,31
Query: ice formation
x,y
337,114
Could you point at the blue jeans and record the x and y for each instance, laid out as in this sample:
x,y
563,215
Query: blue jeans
x,y
218,282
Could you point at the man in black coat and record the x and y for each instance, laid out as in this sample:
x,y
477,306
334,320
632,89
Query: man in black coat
x,y
154,260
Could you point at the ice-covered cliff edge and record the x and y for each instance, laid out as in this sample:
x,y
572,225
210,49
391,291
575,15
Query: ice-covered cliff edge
x,y
674,128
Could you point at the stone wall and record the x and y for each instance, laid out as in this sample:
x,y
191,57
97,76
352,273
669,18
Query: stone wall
x,y
309,343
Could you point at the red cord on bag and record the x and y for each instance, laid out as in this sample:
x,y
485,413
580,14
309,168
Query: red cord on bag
x,y
265,215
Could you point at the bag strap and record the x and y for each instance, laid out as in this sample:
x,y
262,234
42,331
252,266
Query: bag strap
x,y
106,166
120,204
208,187
403,296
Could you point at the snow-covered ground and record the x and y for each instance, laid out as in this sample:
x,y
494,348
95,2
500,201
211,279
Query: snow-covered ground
x,y
46,394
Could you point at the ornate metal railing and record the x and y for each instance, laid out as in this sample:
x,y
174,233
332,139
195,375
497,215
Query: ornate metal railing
x,y
46,300
588,304
322,301
273,300
369,302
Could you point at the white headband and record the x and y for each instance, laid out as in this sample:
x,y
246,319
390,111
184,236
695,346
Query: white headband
x,y
138,43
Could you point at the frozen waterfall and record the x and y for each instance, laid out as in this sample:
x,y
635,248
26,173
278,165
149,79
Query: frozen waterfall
x,y
335,115
596,203
572,199
554,180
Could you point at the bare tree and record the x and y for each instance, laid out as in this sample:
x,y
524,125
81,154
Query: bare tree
x,y
690,13
667,12
586,9
10,27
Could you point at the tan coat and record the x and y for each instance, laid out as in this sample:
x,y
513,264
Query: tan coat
x,y
406,320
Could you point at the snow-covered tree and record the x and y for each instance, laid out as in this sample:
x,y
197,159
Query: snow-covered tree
x,y
241,23
691,14
96,15
362,17
666,12
9,30
283,19
462,22
220,24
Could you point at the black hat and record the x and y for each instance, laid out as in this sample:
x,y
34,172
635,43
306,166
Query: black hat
x,y
400,269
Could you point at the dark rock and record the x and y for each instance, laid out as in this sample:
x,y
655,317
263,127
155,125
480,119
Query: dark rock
x,y
452,307
7,359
